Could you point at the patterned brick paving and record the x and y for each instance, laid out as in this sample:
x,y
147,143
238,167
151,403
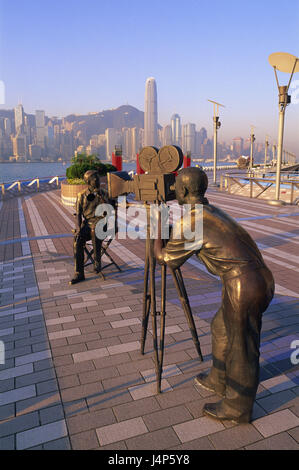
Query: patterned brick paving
x,y
74,377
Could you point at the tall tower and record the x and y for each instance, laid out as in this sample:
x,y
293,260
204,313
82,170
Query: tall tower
x,y
150,113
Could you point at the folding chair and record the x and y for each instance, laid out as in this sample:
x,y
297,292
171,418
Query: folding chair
x,y
88,249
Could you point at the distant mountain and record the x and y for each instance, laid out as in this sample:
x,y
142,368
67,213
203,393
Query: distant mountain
x,y
96,123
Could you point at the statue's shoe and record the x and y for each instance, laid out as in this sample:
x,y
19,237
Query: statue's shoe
x,y
76,279
214,410
203,381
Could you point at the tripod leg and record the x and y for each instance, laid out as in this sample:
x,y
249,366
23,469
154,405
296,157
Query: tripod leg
x,y
152,264
146,299
162,323
180,286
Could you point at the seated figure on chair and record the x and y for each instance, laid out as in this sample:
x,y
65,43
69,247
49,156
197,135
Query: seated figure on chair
x,y
227,251
86,221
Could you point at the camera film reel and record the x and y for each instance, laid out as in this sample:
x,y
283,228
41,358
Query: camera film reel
x,y
167,160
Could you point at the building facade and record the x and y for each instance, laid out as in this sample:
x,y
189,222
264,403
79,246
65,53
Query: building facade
x,y
150,113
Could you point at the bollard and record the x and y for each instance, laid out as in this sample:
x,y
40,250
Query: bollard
x,y
139,170
187,161
117,160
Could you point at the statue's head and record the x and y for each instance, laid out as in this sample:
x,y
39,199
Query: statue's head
x,y
191,185
92,178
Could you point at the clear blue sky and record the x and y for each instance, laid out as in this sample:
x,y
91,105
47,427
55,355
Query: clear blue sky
x,y
87,55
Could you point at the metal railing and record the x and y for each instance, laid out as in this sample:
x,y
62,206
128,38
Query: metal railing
x,y
23,184
228,183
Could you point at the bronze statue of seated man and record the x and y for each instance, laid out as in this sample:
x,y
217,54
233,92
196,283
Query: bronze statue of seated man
x,y
228,251
86,221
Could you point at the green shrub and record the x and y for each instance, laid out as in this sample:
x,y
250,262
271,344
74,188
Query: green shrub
x,y
83,163
76,181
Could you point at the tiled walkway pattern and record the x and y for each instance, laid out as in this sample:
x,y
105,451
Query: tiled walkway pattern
x,y
74,376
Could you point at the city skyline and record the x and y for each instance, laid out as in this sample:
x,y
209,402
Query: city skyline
x,y
83,58
27,137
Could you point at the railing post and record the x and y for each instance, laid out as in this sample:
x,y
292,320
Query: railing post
x,y
2,189
37,183
250,193
292,193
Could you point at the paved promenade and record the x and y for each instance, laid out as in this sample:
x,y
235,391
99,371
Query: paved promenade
x,y
74,377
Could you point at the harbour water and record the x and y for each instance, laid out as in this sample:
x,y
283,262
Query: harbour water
x,y
10,172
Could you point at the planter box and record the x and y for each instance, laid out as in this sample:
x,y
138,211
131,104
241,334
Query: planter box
x,y
69,193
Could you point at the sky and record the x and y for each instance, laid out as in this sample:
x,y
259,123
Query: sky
x,y
80,56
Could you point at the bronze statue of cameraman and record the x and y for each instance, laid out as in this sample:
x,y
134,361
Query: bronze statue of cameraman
x,y
229,252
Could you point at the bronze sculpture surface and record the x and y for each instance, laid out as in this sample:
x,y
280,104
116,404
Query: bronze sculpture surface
x,y
86,220
228,251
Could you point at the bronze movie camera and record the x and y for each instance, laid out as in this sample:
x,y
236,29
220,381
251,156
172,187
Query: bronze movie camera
x,y
157,184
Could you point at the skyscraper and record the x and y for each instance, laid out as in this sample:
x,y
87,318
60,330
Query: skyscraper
x,y
7,126
166,135
189,138
150,113
113,138
176,129
40,128
19,117
238,144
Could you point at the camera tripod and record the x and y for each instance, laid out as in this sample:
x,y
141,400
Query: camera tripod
x,y
149,304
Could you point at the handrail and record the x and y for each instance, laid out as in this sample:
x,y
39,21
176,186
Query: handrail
x,y
28,183
226,182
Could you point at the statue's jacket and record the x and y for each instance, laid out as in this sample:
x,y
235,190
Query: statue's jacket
x,y
87,203
223,245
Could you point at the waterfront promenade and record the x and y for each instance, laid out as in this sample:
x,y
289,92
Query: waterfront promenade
x,y
74,377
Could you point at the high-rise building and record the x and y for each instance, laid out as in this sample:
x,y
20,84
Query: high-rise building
x,y
35,152
137,136
238,144
40,118
150,113
166,135
111,141
19,118
19,146
7,126
202,135
127,142
176,129
189,138
41,130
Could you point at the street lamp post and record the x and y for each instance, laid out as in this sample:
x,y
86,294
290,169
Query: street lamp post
x,y
289,64
216,126
252,139
266,150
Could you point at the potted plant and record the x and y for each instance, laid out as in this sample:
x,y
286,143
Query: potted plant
x,y
75,183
